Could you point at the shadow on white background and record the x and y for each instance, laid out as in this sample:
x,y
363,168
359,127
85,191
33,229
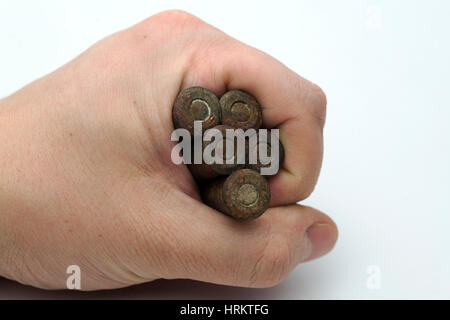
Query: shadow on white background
x,y
157,290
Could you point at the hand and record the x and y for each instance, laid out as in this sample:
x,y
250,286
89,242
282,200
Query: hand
x,y
86,174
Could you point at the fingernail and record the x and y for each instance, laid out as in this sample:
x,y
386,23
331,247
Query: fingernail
x,y
322,237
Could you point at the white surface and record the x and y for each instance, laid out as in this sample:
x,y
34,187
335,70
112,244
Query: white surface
x,y
386,179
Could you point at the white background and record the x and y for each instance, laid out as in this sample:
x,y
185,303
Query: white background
x,y
386,180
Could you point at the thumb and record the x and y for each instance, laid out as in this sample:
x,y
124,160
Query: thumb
x,y
214,248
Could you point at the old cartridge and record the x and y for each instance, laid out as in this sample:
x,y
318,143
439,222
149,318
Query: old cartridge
x,y
227,165
241,110
254,160
244,195
196,104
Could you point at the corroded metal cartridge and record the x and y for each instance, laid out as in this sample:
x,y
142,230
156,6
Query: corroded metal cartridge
x,y
255,151
196,104
244,195
241,110
206,171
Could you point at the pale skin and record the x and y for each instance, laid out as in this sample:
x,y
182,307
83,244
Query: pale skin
x,y
86,174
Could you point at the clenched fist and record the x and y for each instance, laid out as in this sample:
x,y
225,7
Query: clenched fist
x,y
86,176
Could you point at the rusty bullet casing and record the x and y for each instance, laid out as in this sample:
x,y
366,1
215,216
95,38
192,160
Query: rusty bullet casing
x,y
244,195
206,171
203,171
196,104
255,150
241,110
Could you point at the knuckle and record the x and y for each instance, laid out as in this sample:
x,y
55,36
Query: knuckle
x,y
320,95
318,101
175,18
305,191
305,182
314,99
273,264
